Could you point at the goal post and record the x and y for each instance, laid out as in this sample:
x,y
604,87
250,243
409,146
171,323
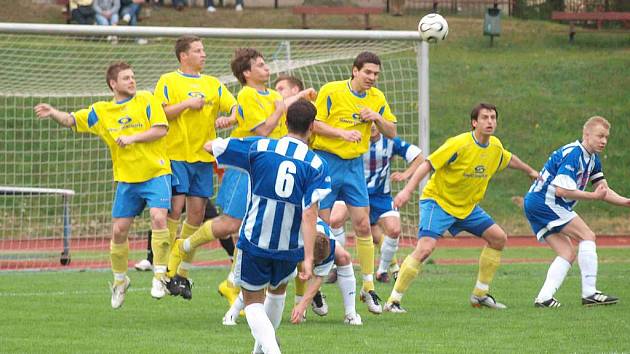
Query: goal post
x,y
65,65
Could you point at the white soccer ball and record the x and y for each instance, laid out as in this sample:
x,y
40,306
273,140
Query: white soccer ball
x,y
433,28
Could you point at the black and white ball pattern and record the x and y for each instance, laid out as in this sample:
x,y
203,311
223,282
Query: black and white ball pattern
x,y
433,28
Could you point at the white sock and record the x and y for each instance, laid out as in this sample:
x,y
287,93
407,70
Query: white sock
x,y
297,299
555,276
261,328
237,306
274,306
587,259
340,235
388,250
348,287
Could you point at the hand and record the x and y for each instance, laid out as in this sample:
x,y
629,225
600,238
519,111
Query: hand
x,y
600,192
44,110
107,14
399,177
353,136
534,175
280,106
307,270
309,94
368,115
297,315
125,140
196,102
401,198
208,146
223,122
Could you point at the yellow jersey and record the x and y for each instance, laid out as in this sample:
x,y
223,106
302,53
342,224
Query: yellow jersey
x,y
339,106
254,107
193,128
109,120
463,168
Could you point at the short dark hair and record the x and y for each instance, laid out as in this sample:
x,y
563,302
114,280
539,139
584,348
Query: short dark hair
x,y
300,116
113,70
183,44
364,58
475,111
291,79
242,61
321,251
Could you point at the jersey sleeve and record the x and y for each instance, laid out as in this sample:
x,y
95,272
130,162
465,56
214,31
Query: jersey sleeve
x,y
155,112
597,174
226,99
233,151
445,154
250,111
323,104
405,150
85,120
386,112
506,156
161,92
566,177
318,185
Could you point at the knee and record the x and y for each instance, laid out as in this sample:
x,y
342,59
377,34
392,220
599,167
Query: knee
x,y
394,231
335,224
344,258
362,226
422,252
588,235
498,241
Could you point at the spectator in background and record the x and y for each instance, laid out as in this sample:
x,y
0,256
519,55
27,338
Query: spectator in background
x,y
397,7
129,14
106,12
179,4
82,12
211,8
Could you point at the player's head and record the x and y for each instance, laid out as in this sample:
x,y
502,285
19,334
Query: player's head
x,y
190,53
321,250
365,70
288,86
484,117
120,79
248,65
374,132
595,134
300,117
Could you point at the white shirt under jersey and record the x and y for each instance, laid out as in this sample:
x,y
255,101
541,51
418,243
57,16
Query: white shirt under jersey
x,y
286,177
376,162
322,269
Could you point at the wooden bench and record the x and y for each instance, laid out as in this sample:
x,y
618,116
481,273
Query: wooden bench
x,y
598,17
337,10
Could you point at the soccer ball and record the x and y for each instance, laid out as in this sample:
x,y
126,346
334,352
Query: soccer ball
x,y
433,28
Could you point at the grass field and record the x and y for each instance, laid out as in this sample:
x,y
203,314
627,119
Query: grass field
x,y
69,312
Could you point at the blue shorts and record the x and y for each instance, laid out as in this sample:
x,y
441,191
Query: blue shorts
x,y
347,181
256,273
543,218
434,221
194,178
381,205
232,197
131,198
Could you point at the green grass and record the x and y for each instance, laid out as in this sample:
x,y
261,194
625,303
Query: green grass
x,y
70,312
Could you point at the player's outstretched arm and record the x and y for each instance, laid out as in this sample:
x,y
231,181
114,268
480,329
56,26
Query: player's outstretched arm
x,y
44,110
309,231
298,309
406,174
517,164
271,122
226,122
308,94
405,194
600,192
321,128
146,136
613,197
386,127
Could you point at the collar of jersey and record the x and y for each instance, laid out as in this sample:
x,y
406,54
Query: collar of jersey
x,y
472,133
588,154
125,100
265,92
360,95
293,139
188,75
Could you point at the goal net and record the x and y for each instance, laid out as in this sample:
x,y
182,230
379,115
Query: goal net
x,y
68,71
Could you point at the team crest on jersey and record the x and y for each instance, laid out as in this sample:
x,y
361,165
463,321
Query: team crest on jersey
x,y
125,123
124,120
355,119
480,172
196,94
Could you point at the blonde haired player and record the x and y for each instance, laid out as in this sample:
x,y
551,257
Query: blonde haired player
x,y
462,168
549,209
133,126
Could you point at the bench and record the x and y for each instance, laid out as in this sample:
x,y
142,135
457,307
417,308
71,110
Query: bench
x,y
337,10
598,17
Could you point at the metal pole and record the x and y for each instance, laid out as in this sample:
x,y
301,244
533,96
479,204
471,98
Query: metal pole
x,y
422,60
67,231
289,65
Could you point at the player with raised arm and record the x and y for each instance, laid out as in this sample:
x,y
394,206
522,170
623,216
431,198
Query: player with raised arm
x,y
193,103
462,168
549,209
346,111
132,125
384,218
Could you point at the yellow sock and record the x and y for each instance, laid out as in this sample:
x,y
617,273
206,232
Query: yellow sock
x,y
202,236
365,250
408,272
300,285
173,260
188,230
172,225
119,255
489,261
160,243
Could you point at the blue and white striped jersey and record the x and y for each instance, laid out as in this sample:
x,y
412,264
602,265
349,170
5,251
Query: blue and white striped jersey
x,y
285,178
570,167
376,162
